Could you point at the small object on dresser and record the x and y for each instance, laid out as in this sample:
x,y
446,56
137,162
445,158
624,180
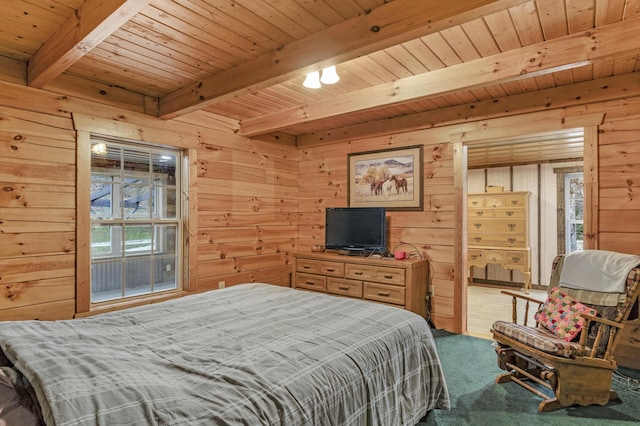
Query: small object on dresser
x,y
400,255
317,248
492,188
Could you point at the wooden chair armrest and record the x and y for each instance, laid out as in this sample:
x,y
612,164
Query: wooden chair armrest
x,y
612,334
522,296
514,302
590,318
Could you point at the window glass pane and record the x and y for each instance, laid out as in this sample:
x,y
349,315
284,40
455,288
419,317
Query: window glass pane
x,y
100,240
136,201
576,236
164,167
165,274
109,160
106,280
164,200
137,276
166,239
137,239
136,164
102,197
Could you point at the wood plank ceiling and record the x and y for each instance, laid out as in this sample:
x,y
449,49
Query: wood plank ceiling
x,y
246,60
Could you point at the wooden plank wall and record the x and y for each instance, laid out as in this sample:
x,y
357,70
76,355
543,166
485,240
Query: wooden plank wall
x,y
37,215
247,212
247,201
618,204
323,183
260,201
619,179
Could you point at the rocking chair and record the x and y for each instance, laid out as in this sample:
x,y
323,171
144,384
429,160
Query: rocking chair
x,y
576,371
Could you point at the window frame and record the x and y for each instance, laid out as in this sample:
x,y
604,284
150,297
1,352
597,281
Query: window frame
x,y
175,137
119,218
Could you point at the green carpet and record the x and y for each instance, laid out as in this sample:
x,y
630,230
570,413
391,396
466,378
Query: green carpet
x,y
470,369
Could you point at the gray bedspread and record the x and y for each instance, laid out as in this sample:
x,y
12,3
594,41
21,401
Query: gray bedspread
x,y
251,354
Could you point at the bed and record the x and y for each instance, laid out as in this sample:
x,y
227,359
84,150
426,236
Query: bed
x,y
250,354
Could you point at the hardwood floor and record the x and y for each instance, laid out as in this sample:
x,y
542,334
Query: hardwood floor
x,y
486,305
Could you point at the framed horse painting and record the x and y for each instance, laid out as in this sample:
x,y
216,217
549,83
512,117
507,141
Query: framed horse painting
x,y
390,178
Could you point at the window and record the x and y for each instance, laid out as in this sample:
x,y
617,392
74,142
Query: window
x,y
136,219
574,211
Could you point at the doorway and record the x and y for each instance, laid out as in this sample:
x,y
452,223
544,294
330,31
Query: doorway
x,y
532,164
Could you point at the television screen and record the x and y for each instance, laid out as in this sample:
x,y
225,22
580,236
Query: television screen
x,y
356,229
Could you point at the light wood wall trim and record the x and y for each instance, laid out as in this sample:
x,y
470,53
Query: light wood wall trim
x,y
494,129
591,183
83,222
460,246
526,124
190,282
146,130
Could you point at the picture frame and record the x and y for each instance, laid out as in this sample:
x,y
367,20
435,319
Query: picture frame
x,y
391,178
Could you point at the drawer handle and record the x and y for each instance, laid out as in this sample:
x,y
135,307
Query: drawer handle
x,y
515,202
475,203
511,226
357,273
477,239
343,288
515,259
384,293
388,277
330,269
511,240
474,256
479,213
310,282
509,213
477,225
306,267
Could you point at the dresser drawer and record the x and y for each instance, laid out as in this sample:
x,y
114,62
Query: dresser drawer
x,y
474,202
379,274
495,201
384,293
516,258
480,213
515,201
507,213
492,256
515,226
474,256
497,240
351,288
311,282
332,269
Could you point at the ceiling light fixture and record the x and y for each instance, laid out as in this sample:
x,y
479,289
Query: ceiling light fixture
x,y
313,80
329,76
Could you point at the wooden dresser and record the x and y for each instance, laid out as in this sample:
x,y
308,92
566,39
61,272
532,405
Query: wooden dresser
x,y
402,283
498,226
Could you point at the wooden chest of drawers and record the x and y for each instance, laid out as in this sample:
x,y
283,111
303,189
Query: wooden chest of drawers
x,y
401,283
497,225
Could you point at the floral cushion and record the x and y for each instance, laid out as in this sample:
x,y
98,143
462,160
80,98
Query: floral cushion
x,y
560,314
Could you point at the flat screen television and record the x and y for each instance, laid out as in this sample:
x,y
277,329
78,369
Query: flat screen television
x,y
356,229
